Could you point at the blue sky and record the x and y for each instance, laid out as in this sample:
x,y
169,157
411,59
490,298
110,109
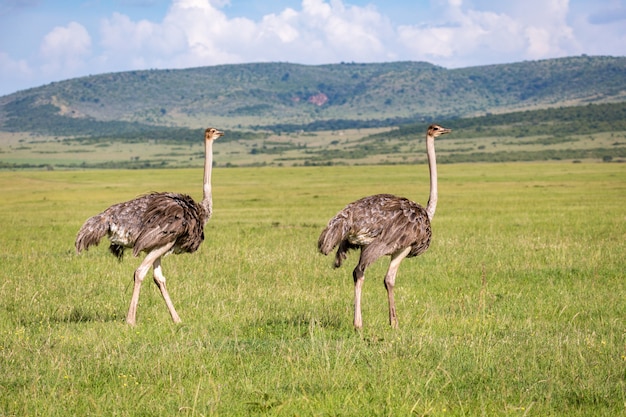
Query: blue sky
x,y
50,40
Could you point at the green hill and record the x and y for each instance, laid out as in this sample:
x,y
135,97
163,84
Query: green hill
x,y
290,97
286,114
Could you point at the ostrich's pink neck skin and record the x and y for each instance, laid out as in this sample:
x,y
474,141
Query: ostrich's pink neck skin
x,y
207,198
432,166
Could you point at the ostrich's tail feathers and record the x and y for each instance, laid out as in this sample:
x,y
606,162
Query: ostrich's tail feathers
x,y
335,234
331,236
94,229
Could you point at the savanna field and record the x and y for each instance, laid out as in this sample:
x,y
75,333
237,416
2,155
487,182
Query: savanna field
x,y
517,309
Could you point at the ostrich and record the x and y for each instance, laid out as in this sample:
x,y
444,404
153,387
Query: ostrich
x,y
380,225
156,223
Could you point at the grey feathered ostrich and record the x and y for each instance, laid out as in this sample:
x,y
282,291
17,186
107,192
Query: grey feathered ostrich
x,y
158,224
380,225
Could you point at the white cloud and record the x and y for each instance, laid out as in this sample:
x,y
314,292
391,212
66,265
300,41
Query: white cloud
x,y
549,34
18,73
195,32
465,36
65,49
211,38
121,34
8,66
282,26
192,33
323,32
462,35
355,31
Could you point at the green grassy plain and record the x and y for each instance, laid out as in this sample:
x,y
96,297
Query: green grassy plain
x,y
517,309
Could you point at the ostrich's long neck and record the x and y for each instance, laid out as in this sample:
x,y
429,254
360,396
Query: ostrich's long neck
x,y
432,166
207,198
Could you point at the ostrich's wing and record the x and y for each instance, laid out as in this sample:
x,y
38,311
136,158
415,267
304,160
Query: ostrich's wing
x,y
170,218
386,224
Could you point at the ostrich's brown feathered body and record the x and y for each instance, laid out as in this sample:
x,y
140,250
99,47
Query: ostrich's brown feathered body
x,y
380,225
147,222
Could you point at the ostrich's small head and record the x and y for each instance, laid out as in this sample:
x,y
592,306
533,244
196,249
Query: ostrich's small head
x,y
212,133
435,130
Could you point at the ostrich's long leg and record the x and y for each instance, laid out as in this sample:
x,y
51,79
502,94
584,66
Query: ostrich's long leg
x,y
359,278
140,274
159,279
390,282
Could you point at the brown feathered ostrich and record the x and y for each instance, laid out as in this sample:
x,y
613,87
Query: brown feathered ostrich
x,y
158,224
380,225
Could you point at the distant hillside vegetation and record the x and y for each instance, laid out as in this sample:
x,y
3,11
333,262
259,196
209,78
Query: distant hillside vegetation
x,y
593,132
290,97
558,122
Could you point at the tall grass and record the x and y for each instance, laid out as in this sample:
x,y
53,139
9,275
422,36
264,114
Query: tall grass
x,y
518,308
